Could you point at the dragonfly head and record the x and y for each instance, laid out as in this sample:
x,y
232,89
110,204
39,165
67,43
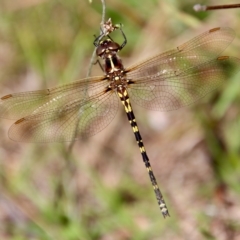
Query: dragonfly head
x,y
107,47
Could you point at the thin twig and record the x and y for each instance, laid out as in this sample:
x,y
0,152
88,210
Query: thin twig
x,y
103,11
92,60
199,7
70,147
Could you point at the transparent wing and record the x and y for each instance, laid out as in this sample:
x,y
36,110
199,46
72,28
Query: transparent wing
x,y
81,108
167,81
205,47
18,105
71,121
172,92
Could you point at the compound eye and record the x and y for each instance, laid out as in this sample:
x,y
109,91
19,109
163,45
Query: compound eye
x,y
100,50
114,46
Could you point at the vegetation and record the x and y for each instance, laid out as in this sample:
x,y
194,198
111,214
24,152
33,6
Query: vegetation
x,y
101,190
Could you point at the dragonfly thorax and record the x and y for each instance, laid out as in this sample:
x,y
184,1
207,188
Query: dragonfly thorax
x,y
118,80
113,63
114,69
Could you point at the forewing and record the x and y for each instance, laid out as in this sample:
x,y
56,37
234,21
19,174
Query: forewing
x,y
76,119
18,105
205,47
172,92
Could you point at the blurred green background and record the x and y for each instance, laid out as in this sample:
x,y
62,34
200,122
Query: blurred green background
x,y
101,189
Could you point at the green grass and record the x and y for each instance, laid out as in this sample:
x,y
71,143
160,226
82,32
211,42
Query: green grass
x,y
101,189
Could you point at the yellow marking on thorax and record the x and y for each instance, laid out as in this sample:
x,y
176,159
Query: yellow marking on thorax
x,y
112,64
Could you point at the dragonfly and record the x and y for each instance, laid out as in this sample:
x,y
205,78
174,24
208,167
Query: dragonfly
x,y
164,82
